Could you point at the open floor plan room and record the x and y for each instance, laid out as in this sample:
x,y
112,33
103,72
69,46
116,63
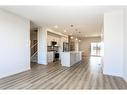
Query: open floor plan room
x,y
63,47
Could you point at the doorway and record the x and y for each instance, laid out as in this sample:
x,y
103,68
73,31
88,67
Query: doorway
x,y
33,46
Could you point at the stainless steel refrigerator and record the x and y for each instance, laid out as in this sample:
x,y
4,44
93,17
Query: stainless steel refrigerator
x,y
65,46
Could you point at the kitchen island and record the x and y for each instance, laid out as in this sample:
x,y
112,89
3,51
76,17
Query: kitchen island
x,y
70,58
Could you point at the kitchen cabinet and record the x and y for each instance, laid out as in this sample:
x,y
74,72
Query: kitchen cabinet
x,y
50,57
70,58
53,38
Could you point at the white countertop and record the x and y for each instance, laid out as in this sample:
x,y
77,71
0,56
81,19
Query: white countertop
x,y
72,52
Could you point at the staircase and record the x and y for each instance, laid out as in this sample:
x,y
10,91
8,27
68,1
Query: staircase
x,y
34,53
34,58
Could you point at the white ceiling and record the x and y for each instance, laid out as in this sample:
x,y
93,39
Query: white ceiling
x,y
87,19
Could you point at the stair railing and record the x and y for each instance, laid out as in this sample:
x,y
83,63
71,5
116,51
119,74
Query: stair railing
x,y
33,50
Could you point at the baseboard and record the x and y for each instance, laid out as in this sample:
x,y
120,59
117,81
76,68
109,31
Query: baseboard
x,y
14,73
112,74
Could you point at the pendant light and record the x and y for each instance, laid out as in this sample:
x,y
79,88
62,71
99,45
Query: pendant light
x,y
72,31
72,37
76,34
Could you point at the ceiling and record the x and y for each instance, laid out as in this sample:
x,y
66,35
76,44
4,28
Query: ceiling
x,y
86,20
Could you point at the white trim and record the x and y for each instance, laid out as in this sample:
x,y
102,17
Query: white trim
x,y
52,31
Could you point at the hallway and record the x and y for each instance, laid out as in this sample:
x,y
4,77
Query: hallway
x,y
84,75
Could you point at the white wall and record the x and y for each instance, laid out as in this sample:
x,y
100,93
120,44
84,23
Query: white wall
x,y
85,44
15,44
113,42
125,45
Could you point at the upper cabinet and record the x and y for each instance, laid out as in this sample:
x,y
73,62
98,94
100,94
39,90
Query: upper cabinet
x,y
51,38
59,38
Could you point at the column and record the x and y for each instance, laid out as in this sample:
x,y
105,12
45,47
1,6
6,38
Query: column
x,y
42,46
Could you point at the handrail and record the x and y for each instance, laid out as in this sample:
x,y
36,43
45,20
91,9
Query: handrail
x,y
33,49
34,45
33,54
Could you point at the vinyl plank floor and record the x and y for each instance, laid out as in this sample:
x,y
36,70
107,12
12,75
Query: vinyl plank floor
x,y
83,75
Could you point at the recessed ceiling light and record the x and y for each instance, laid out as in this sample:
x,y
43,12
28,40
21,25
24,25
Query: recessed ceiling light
x,y
55,26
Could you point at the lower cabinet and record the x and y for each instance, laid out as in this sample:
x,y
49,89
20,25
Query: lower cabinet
x,y
50,57
70,58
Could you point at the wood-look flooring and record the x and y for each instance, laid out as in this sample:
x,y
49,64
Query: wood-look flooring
x,y
83,75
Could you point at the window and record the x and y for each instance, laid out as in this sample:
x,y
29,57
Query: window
x,y
97,49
